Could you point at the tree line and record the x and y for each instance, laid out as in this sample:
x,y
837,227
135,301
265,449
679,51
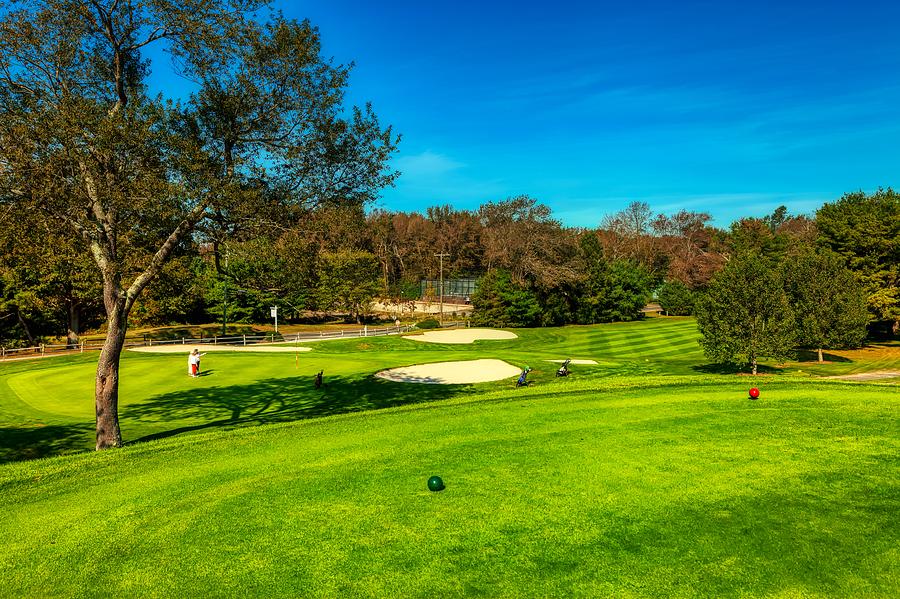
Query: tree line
x,y
532,270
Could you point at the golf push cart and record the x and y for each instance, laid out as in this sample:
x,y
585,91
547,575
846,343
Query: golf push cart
x,y
523,378
564,369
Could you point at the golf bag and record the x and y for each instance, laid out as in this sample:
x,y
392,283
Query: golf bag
x,y
564,369
523,378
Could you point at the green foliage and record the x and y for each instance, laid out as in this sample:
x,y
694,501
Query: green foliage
x,y
745,314
629,290
676,298
828,301
500,302
428,323
865,231
177,296
611,291
347,281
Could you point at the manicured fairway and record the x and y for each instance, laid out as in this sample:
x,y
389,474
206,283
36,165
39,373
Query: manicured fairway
x,y
683,488
648,475
46,407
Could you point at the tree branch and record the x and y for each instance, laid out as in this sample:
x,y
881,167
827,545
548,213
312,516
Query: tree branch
x,y
159,259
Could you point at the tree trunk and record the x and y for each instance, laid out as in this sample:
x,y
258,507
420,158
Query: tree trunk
x,y
821,359
25,328
106,395
753,364
74,325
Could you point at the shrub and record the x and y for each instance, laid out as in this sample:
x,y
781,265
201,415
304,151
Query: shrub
x,y
428,323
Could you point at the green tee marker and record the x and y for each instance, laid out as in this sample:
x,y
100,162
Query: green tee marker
x,y
435,484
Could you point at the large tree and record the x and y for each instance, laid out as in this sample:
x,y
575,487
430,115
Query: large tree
x,y
744,314
83,143
865,230
828,301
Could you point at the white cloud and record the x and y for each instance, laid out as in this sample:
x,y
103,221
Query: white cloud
x,y
426,165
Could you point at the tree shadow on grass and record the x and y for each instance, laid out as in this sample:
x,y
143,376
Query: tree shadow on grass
x,y
811,355
32,442
279,400
735,369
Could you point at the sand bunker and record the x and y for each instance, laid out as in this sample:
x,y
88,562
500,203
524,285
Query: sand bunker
x,y
585,362
208,347
462,336
452,373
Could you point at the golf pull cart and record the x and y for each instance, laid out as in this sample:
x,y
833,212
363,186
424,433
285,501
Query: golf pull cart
x,y
523,378
564,369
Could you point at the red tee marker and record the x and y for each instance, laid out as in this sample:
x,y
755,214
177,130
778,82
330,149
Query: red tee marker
x,y
754,393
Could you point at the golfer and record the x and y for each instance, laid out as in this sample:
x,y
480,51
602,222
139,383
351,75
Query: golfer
x,y
194,363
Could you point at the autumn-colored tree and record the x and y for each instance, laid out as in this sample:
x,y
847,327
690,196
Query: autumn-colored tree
x,y
693,247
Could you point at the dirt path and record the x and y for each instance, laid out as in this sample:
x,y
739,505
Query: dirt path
x,y
867,376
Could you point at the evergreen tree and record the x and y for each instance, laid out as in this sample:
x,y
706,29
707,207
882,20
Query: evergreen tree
x,y
610,291
676,299
865,231
500,302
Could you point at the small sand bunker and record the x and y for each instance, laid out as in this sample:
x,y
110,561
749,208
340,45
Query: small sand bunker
x,y
462,336
585,362
452,373
208,347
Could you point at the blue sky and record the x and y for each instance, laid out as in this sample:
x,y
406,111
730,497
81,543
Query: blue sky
x,y
723,107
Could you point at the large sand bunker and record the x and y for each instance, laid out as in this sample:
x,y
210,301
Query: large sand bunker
x,y
452,373
208,347
462,336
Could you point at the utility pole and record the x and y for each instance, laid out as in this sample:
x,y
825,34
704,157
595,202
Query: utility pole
x,y
442,256
225,298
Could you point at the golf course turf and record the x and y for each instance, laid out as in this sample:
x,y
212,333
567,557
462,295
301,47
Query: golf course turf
x,y
650,474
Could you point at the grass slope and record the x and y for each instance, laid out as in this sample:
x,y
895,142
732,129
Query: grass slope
x,y
47,407
677,488
648,475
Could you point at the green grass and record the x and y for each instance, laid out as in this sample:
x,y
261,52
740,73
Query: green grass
x,y
648,475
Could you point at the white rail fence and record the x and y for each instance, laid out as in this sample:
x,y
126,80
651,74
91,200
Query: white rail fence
x,y
45,350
